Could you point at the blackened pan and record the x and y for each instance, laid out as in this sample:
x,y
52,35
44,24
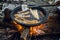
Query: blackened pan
x,y
33,7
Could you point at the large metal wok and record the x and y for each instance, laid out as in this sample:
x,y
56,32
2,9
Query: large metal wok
x,y
42,20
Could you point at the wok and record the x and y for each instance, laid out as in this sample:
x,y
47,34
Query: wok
x,y
32,7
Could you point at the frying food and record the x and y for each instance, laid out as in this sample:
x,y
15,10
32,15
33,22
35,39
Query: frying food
x,y
26,18
35,13
27,21
23,12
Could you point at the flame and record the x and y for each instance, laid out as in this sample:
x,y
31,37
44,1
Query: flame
x,y
36,29
33,30
18,26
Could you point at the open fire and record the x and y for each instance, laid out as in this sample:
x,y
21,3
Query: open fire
x,y
36,30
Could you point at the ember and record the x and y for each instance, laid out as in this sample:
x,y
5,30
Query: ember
x,y
19,27
36,30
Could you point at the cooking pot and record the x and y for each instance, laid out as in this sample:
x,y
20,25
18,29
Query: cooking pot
x,y
32,7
